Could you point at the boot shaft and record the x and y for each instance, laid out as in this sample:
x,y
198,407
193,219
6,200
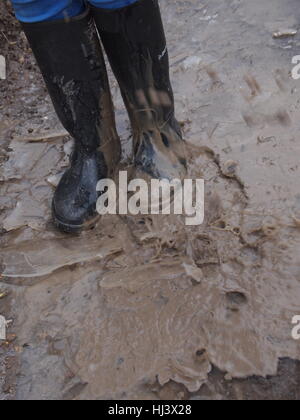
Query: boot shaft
x,y
71,61
135,43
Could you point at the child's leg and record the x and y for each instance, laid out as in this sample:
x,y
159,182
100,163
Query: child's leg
x,y
111,4
31,11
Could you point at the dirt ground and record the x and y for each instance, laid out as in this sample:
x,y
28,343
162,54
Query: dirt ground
x,y
146,308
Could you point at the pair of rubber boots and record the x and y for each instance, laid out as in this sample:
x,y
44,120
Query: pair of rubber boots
x,y
70,58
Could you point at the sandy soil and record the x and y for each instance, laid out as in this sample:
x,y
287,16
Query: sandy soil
x,y
147,308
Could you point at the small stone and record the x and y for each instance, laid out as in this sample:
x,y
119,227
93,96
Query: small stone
x,y
191,62
54,180
286,33
229,168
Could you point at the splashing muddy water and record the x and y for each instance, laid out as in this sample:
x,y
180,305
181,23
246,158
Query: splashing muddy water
x,y
143,301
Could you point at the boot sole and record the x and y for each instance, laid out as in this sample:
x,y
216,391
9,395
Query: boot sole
x,y
69,228
90,224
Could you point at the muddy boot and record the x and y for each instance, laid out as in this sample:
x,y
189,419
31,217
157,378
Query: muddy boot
x,y
71,61
135,43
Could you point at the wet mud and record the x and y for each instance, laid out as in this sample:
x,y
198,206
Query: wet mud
x,y
146,307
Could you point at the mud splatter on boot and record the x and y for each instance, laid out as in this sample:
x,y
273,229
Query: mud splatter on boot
x,y
135,43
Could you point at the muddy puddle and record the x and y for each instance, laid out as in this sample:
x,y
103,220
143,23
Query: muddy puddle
x,y
145,307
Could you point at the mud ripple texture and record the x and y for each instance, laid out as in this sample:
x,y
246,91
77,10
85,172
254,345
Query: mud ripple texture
x,y
144,301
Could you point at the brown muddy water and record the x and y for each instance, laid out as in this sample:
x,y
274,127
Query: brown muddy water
x,y
146,307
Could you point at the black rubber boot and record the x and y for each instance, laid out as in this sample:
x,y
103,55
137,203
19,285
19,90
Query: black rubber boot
x,y
71,61
135,43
